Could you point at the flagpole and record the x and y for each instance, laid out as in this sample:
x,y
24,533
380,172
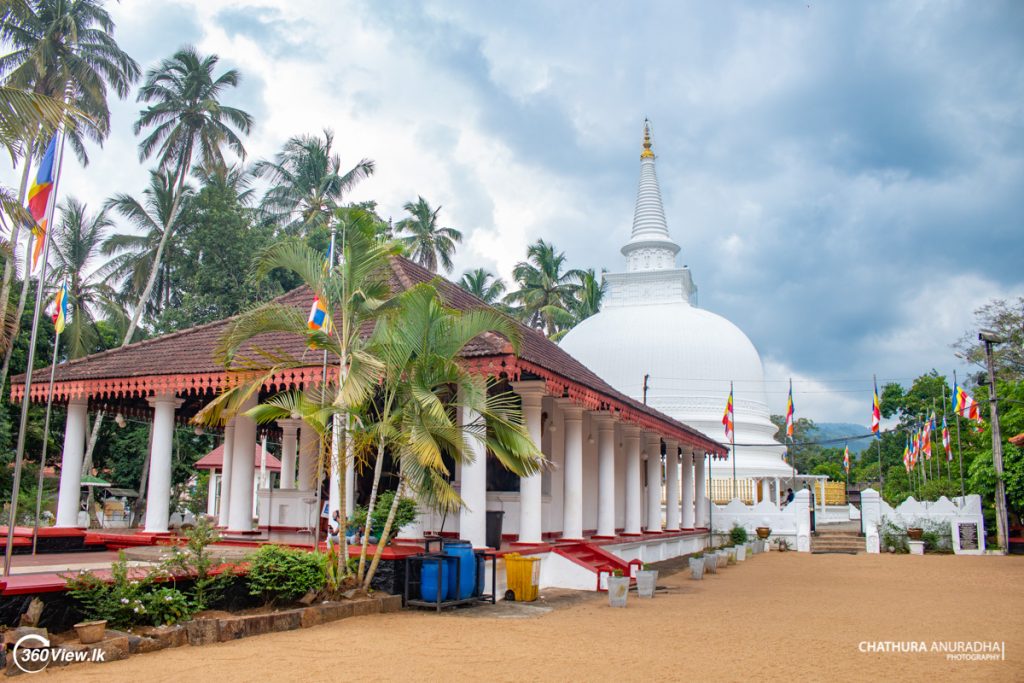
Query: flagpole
x,y
323,388
46,440
946,454
26,400
878,437
959,449
732,439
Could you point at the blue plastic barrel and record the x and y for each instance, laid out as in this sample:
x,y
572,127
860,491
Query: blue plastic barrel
x,y
429,582
461,571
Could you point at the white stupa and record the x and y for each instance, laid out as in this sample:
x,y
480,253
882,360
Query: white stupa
x,y
649,324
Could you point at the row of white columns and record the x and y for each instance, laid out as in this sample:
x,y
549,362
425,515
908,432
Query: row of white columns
x,y
238,471
682,513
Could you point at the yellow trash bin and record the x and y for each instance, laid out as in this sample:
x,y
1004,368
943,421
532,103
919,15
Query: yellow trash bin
x,y
522,577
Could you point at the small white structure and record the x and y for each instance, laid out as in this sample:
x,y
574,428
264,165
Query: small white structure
x,y
967,524
792,522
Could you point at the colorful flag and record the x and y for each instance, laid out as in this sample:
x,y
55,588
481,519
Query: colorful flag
x,y
61,306
727,419
789,412
926,441
932,421
945,440
846,459
906,453
963,404
39,198
318,315
876,415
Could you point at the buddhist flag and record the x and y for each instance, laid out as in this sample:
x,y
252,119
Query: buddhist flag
x,y
728,418
61,308
906,453
789,412
926,440
318,319
846,459
945,440
876,415
39,198
963,403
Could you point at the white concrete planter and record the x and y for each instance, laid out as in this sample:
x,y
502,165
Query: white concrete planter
x,y
618,589
731,554
697,568
711,563
646,581
741,553
723,558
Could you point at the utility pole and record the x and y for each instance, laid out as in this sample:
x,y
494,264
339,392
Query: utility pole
x,y
988,337
646,377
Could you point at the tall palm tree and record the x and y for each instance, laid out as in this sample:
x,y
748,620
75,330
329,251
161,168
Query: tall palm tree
x,y
589,296
546,292
186,116
428,242
60,48
484,285
74,248
306,182
134,261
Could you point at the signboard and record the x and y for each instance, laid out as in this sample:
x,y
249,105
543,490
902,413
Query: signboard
x,y
968,534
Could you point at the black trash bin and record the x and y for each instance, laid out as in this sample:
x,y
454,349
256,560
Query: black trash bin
x,y
494,519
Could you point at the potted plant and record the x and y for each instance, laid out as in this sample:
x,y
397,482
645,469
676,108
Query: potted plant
x,y
697,566
618,588
763,532
90,632
646,581
711,562
723,557
914,533
782,544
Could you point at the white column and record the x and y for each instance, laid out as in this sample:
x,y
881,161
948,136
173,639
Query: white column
x,y
671,485
158,494
530,493
289,445
473,515
225,478
778,492
211,493
605,426
337,461
688,511
572,498
243,469
350,480
634,504
700,490
309,453
653,448
68,500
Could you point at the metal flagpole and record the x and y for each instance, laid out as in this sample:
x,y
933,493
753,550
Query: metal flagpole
x,y
945,455
959,449
732,438
711,502
323,388
19,454
46,440
878,435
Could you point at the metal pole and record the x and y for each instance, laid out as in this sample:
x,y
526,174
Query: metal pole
x,y
19,454
959,449
878,437
323,388
711,495
732,440
997,445
46,440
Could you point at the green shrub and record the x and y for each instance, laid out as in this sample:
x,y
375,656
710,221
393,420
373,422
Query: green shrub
x,y
166,606
893,537
286,574
405,514
738,535
196,559
121,601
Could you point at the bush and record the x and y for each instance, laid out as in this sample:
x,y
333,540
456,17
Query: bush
x,y
279,573
893,537
405,514
121,602
197,560
738,535
166,606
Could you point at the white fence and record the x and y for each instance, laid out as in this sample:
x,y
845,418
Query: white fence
x,y
963,515
792,523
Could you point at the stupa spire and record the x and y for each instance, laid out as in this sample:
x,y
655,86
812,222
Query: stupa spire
x,y
650,246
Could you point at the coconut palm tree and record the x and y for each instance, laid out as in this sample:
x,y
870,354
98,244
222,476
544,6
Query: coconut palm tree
x,y
546,292
427,242
185,116
306,182
75,245
589,295
136,256
59,48
484,285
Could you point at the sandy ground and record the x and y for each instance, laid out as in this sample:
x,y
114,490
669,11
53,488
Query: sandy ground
x,y
781,616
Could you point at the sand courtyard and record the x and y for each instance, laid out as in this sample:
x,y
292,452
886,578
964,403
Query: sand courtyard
x,y
780,616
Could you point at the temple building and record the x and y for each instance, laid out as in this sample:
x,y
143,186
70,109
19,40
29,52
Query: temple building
x,y
650,338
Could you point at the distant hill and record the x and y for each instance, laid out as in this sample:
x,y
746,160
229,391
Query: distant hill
x,y
827,431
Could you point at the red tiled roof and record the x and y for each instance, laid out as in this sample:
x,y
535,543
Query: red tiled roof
x,y
214,460
184,362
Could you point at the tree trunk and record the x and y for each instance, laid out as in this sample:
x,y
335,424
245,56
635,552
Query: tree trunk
x,y
10,266
87,460
385,533
370,506
5,370
143,479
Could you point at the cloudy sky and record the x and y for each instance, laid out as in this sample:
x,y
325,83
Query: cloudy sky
x,y
846,180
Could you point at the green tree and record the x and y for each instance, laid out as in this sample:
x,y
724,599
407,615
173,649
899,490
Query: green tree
x,y
1006,319
306,182
484,285
186,116
428,243
546,291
